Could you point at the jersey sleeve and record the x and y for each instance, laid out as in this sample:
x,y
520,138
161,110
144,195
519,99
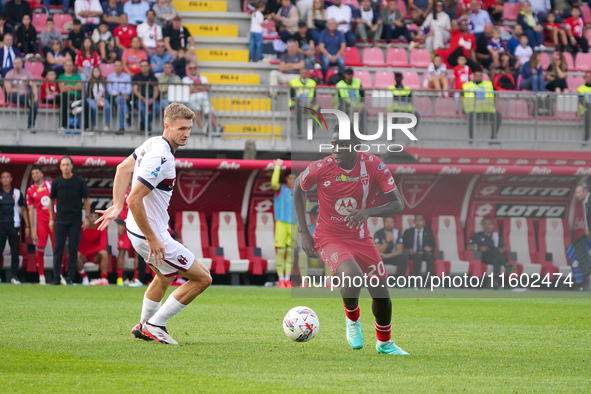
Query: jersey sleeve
x,y
384,178
309,177
151,170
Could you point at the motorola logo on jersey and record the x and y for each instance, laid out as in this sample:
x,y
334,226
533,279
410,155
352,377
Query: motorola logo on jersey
x,y
345,205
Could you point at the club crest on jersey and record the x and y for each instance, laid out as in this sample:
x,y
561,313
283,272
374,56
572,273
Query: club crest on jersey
x,y
365,179
381,166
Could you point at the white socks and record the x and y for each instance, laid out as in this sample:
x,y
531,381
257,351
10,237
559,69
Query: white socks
x,y
170,308
149,307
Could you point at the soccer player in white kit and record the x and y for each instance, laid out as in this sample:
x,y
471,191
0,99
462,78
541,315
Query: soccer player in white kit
x,y
153,170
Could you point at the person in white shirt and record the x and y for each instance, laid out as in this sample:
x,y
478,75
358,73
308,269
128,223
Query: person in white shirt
x,y
477,19
151,169
436,75
523,52
89,13
439,26
342,14
149,32
255,45
199,99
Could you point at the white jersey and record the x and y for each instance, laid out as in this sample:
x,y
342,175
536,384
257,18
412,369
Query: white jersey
x,y
154,167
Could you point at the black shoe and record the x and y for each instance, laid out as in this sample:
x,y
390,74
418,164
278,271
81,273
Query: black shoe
x,y
129,121
120,132
137,332
55,282
69,282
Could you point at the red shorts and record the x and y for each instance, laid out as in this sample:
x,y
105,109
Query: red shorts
x,y
88,256
363,251
42,234
123,241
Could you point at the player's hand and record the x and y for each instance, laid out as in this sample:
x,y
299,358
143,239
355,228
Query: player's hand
x,y
34,235
356,217
107,216
27,232
308,245
156,250
277,162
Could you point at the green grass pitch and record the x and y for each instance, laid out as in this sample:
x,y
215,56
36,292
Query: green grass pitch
x,y
76,339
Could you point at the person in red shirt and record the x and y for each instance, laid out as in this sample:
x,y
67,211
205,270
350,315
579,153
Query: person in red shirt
x,y
575,29
554,33
50,91
87,58
124,246
93,247
462,42
462,72
123,35
348,183
38,203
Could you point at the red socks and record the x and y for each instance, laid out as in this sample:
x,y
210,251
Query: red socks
x,y
104,275
135,273
383,332
119,272
352,314
40,261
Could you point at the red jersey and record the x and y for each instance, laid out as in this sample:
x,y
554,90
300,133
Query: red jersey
x,y
576,25
88,60
125,210
92,241
49,91
463,75
490,3
467,41
339,190
125,34
38,197
549,28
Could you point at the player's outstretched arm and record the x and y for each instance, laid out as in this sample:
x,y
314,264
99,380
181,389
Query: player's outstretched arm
x,y
122,178
394,206
299,200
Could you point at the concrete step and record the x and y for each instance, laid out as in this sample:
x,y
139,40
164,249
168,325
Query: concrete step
x,y
222,55
221,42
200,6
241,19
230,69
211,30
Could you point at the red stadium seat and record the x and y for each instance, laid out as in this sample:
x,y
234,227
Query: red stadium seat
x,y
396,57
588,34
510,11
450,240
383,79
423,106
373,57
573,82
39,21
36,68
570,64
545,60
519,110
329,74
353,3
192,228
554,237
420,58
402,8
261,234
446,108
60,20
351,56
583,61
411,79
586,14
325,101
227,232
3,103
364,76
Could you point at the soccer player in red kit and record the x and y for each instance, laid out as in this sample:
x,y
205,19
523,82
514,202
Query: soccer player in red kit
x,y
124,246
37,204
347,181
93,247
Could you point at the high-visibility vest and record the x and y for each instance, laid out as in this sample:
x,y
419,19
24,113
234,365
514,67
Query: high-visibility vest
x,y
402,100
479,98
584,91
304,93
348,93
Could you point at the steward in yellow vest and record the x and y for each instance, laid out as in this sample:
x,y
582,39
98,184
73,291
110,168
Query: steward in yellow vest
x,y
402,99
302,93
584,92
349,93
479,102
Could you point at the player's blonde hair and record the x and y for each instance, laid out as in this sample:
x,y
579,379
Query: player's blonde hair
x,y
177,111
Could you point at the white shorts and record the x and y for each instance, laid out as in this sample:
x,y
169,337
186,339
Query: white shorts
x,y
177,257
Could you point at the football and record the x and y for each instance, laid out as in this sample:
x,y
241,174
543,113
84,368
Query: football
x,y
301,324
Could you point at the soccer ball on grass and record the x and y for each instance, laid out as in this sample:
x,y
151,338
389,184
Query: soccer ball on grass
x,y
301,324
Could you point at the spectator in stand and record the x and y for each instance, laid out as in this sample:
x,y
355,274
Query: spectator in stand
x,y
368,21
150,33
402,99
419,10
255,44
199,99
479,103
477,19
342,15
75,38
482,53
523,53
159,59
22,90
4,27
289,66
332,46
462,74
584,92
562,9
394,24
12,206
496,47
132,57
301,94
123,35
180,63
165,12
26,39
8,53
87,58
317,19
167,78
64,3
350,95
112,13
50,91
554,33
15,10
97,98
56,57
104,42
419,243
439,26
462,43
136,11
390,245
436,76
48,35
531,27
119,89
575,29
71,86
145,91
541,8
495,10
89,13
93,248
514,42
556,74
532,74
286,19
306,44
177,36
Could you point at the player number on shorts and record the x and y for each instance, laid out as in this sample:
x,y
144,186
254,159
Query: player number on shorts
x,y
381,269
